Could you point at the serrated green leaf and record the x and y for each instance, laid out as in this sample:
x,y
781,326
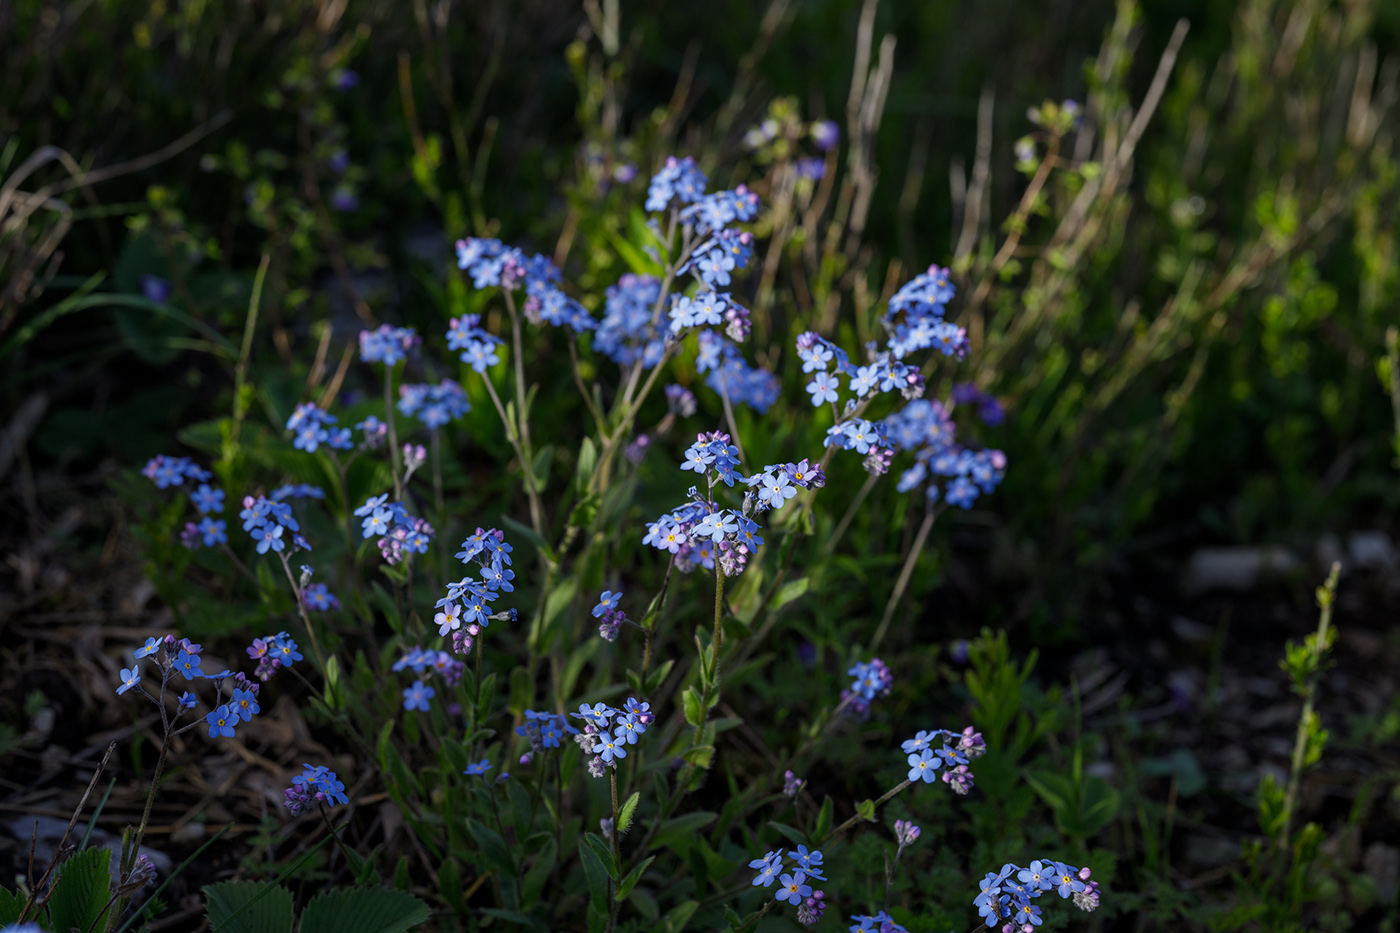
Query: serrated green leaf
x,y
364,910
625,886
248,907
80,896
10,906
624,816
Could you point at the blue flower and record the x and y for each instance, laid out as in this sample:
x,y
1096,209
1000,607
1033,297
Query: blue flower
x,y
317,596
922,740
714,268
717,524
824,388
221,722
417,696
768,868
609,748
923,766
1065,880
207,499
284,649
130,678
792,889
478,769
626,730
270,536
213,530
1037,876
605,602
187,700
188,665
775,489
809,862
748,533
151,646
244,703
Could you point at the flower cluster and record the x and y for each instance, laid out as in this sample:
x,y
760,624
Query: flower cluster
x,y
273,652
700,533
881,922
434,405
607,731
375,431
955,751
628,332
544,730
792,887
387,345
477,345
731,375
925,427
872,679
183,657
268,522
296,491
313,427
314,785
792,784
1006,895
398,532
488,548
678,179
989,409
167,471
427,661
612,617
492,263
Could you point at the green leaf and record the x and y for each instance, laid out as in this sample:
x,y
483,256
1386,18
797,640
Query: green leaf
x,y
624,816
595,873
866,810
679,916
10,906
700,755
655,678
791,833
492,845
600,847
538,875
587,463
825,816
363,910
522,689
677,829
625,886
80,896
790,591
690,702
509,916
248,907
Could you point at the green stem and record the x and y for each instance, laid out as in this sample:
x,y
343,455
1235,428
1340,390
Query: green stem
x,y
393,432
905,574
1326,596
857,818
